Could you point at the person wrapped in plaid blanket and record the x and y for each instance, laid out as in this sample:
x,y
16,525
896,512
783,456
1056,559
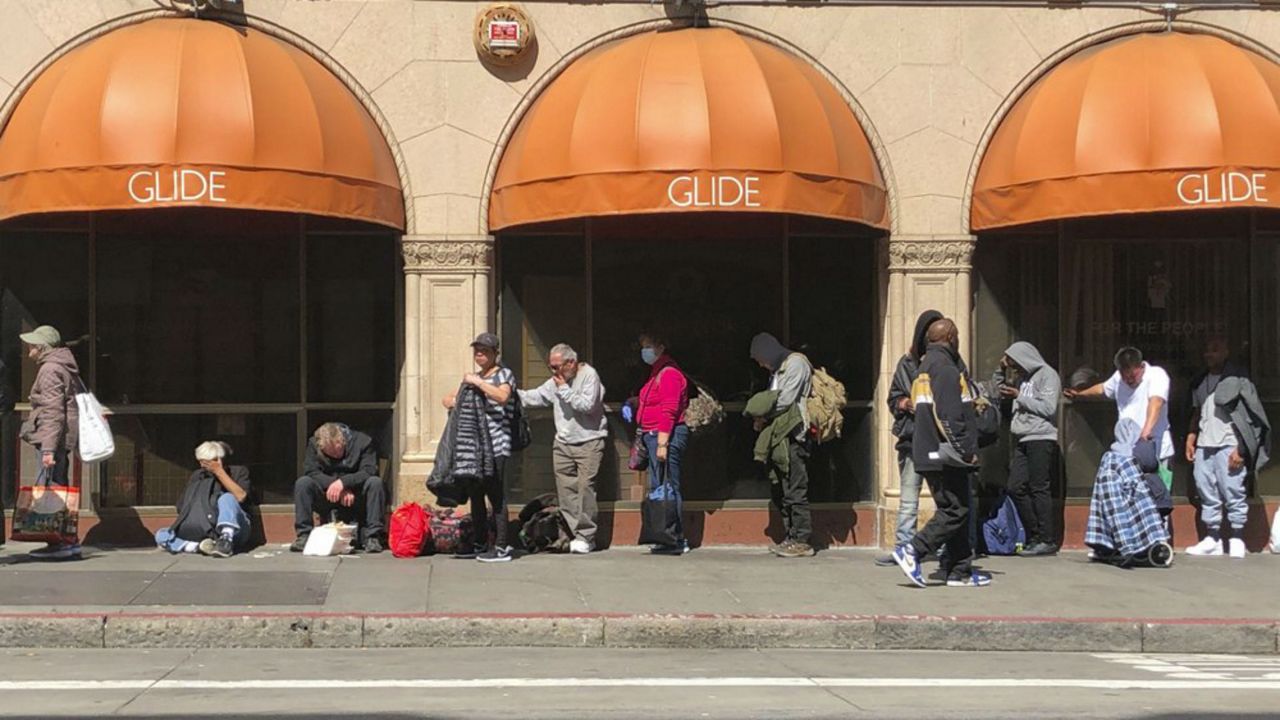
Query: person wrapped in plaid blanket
x,y
1123,517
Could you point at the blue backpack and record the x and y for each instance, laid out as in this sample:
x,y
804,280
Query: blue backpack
x,y
1003,532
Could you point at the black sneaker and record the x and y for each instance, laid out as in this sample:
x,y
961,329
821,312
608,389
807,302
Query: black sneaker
x,y
299,543
372,546
496,555
469,554
222,547
886,560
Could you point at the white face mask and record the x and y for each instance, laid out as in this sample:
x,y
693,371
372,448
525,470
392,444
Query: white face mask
x,y
648,355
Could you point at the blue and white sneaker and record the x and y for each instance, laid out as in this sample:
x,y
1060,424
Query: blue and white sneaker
x,y
905,556
976,578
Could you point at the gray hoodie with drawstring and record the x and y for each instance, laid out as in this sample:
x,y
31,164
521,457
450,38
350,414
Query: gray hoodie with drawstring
x,y
1035,410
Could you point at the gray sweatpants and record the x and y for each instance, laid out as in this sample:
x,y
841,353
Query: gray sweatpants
x,y
1219,487
576,468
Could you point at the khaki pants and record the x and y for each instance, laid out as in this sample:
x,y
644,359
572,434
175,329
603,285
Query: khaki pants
x,y
576,467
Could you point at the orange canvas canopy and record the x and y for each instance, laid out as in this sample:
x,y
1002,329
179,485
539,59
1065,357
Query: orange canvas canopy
x,y
1143,123
186,112
689,120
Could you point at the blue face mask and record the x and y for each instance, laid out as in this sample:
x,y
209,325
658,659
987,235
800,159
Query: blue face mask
x,y
648,355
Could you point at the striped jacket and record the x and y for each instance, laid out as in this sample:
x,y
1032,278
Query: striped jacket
x,y
943,401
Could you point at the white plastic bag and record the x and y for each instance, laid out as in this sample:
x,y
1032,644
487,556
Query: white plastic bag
x,y
330,539
96,440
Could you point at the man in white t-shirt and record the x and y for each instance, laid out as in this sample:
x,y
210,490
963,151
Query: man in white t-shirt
x,y
1141,392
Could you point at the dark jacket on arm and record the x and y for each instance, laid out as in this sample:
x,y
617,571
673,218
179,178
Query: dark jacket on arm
x,y
359,463
941,388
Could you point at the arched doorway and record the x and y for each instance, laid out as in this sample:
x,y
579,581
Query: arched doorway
x,y
1123,200
708,185
210,217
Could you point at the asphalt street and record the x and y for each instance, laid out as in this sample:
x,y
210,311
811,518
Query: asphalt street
x,y
531,684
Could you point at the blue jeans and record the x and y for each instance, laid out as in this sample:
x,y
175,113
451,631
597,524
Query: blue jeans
x,y
230,514
909,500
675,454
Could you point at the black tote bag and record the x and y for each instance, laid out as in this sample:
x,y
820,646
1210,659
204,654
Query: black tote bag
x,y
660,514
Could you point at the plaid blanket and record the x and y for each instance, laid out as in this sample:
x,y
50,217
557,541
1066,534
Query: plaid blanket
x,y
1122,514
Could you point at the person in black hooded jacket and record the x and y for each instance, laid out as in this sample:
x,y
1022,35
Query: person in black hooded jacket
x,y
903,410
944,448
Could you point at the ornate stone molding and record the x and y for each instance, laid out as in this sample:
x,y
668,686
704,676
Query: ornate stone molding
x,y
929,253
447,254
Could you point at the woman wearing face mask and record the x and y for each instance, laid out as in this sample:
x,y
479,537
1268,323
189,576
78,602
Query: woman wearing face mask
x,y
662,404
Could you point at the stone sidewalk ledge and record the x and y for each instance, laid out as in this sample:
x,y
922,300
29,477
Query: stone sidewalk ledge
x,y
608,630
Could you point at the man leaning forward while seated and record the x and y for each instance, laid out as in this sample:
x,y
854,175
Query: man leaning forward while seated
x,y
341,474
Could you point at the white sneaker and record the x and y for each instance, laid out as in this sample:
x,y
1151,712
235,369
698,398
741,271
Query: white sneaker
x,y
1236,548
1207,546
578,546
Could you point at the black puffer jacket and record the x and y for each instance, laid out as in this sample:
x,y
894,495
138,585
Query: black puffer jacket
x,y
465,454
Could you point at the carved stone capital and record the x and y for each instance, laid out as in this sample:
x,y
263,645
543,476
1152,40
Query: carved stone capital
x,y
424,253
930,253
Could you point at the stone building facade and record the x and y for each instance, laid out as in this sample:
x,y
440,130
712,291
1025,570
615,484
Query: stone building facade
x,y
929,85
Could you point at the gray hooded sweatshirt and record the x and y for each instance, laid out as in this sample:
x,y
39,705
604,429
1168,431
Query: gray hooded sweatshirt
x,y
1035,410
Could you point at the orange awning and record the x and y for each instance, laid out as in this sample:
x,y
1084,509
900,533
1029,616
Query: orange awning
x,y
690,120
186,112
1143,123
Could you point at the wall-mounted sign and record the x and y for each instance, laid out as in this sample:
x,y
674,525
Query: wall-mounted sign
x,y
148,187
1222,188
503,34
714,191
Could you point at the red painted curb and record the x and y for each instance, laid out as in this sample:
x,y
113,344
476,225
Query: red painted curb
x,y
321,615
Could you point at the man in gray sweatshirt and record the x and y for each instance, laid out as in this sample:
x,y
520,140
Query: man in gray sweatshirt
x,y
1034,390
576,395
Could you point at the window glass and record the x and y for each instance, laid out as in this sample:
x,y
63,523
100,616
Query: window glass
x,y
708,283
198,306
834,288
351,318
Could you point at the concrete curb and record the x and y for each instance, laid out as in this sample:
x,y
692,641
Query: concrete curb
x,y
857,632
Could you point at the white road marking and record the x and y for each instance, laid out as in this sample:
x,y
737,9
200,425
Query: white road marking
x,y
657,682
1241,668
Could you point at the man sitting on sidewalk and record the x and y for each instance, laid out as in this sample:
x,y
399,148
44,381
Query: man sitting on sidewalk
x,y
577,395
341,469
211,514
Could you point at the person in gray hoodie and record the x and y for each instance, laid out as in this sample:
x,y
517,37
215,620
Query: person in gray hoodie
x,y
793,380
1034,390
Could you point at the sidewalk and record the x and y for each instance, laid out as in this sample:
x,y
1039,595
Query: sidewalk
x,y
624,597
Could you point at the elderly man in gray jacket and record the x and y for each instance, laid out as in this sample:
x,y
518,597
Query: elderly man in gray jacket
x,y
576,395
1035,390
793,379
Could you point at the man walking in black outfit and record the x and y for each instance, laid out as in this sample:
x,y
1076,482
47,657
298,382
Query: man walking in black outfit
x,y
945,451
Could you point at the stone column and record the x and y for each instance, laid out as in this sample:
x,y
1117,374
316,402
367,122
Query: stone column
x,y
447,302
926,272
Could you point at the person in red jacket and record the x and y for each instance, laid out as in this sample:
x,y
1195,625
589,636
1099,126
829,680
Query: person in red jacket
x,y
660,416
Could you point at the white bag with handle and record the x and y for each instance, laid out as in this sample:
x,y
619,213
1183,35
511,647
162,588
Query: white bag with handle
x,y
96,441
330,539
